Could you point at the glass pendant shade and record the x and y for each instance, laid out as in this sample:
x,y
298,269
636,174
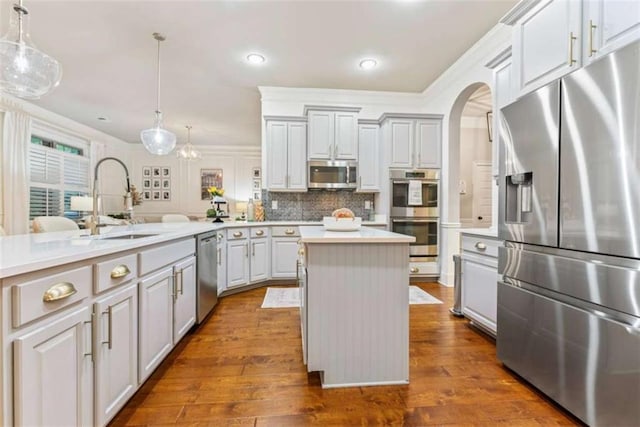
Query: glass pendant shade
x,y
157,140
188,152
25,71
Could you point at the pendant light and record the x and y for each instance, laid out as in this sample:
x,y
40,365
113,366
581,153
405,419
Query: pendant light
x,y
25,71
188,152
158,140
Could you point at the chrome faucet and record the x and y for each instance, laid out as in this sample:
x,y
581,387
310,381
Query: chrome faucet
x,y
128,201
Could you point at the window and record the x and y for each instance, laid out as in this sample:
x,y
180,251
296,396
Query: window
x,y
57,171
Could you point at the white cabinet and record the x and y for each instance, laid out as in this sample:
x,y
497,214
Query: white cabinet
x,y
53,373
414,141
184,297
260,251
559,36
286,152
156,320
503,94
368,155
221,259
480,280
116,351
237,257
284,251
333,135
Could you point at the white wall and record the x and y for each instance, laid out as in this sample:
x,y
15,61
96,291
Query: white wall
x,y
474,147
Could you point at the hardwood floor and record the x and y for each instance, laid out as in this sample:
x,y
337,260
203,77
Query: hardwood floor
x,y
244,367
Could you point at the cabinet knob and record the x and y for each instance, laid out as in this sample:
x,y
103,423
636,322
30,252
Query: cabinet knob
x,y
414,270
259,232
120,271
289,231
59,291
237,234
480,246
301,251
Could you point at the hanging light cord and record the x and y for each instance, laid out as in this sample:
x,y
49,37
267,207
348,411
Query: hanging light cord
x,y
21,11
159,37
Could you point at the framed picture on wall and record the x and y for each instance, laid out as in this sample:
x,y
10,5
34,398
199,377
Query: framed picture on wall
x,y
256,173
166,195
209,178
146,172
157,183
146,195
257,184
166,172
146,183
156,195
156,171
166,184
257,195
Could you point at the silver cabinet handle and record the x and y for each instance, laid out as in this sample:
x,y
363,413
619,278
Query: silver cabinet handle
x,y
219,256
259,232
237,234
181,281
414,270
591,28
246,250
174,288
289,231
480,246
109,314
297,272
90,322
572,39
59,291
253,249
120,271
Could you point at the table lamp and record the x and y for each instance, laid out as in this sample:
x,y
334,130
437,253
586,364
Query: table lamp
x,y
81,204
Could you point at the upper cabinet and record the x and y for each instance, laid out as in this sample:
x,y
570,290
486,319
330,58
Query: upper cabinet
x,y
333,133
286,153
556,37
368,155
503,94
414,141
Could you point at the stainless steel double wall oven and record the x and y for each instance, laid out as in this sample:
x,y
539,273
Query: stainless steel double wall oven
x,y
416,214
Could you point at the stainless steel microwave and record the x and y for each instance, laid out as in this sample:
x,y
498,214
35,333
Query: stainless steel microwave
x,y
337,175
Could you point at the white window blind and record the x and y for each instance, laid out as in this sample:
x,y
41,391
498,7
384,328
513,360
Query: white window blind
x,y
56,172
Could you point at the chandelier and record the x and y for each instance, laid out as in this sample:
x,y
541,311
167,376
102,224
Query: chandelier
x,y
188,152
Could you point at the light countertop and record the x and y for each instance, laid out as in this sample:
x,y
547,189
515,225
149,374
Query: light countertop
x,y
318,234
31,252
487,232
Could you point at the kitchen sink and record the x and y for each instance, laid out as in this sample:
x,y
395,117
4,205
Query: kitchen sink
x,y
127,236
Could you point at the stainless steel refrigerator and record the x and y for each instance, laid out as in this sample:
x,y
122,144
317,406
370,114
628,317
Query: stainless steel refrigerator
x,y
569,299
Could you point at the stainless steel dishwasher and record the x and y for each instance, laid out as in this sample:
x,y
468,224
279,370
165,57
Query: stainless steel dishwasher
x,y
207,268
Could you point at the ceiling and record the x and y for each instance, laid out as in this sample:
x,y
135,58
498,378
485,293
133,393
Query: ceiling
x,y
109,55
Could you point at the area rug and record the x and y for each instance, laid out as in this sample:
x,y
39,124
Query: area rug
x,y
290,297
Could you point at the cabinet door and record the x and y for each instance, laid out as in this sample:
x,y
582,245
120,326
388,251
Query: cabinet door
x,y
547,43
284,253
277,155
184,300
259,260
237,263
368,169
503,95
401,133
156,320
221,255
321,135
297,156
479,290
609,25
53,373
116,347
346,136
428,142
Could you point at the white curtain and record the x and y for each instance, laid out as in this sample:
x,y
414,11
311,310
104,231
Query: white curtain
x,y
16,136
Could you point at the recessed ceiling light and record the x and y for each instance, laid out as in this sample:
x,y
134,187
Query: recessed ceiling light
x,y
255,58
368,64
104,119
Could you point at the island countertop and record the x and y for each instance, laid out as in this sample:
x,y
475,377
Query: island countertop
x,y
318,234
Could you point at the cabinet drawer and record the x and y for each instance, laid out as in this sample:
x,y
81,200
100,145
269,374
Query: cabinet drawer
x,y
44,295
237,233
257,232
153,259
481,245
114,272
282,231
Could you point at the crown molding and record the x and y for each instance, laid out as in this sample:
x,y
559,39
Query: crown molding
x,y
286,118
518,11
368,122
305,111
386,116
499,58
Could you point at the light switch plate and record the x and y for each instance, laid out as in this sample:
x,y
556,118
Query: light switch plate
x,y
367,204
274,204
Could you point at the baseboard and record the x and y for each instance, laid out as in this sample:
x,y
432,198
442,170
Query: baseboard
x,y
446,280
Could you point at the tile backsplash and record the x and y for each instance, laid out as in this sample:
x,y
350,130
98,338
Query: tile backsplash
x,y
313,205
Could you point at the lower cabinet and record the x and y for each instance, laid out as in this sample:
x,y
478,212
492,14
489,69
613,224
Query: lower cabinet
x,y
284,253
156,320
480,280
259,265
237,263
116,351
184,297
53,373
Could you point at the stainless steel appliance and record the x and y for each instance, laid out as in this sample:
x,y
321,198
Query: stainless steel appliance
x,y
207,268
332,174
416,215
569,301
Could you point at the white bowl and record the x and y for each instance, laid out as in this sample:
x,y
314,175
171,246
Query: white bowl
x,y
341,224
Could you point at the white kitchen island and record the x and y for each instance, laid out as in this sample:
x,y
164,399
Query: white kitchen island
x,y
355,306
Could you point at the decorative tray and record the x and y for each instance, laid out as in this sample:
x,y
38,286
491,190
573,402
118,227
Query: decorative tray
x,y
341,224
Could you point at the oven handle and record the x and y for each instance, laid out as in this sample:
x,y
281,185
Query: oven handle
x,y
414,220
406,181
